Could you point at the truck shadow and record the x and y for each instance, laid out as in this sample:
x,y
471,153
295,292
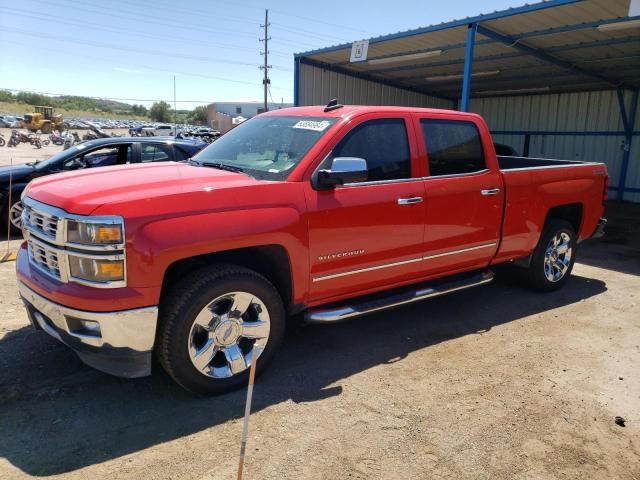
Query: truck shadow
x,y
56,415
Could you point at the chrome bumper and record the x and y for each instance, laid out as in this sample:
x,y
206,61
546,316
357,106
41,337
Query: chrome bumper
x,y
118,343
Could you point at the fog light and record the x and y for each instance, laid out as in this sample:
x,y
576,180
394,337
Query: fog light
x,y
80,326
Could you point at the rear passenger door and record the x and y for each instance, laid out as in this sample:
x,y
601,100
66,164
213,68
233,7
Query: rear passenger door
x,y
464,198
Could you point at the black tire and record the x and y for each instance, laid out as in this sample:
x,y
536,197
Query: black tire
x,y
4,218
180,308
535,275
2,142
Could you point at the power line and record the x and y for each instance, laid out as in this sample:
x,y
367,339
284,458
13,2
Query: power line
x,y
64,20
150,69
300,31
134,49
147,18
349,28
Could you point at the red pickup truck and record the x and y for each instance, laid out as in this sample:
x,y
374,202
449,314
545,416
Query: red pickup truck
x,y
320,213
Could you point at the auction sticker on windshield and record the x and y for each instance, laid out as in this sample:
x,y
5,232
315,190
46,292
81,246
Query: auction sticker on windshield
x,y
312,125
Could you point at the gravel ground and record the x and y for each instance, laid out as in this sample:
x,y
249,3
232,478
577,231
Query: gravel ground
x,y
496,382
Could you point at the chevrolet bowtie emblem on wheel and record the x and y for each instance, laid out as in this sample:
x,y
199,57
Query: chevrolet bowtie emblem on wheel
x,y
334,256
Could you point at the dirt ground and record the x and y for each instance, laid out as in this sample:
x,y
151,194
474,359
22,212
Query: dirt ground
x,y
496,382
26,153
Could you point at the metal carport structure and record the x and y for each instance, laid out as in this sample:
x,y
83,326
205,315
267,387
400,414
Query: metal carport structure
x,y
559,77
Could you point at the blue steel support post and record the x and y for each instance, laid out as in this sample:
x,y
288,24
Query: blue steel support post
x,y
296,79
468,66
629,122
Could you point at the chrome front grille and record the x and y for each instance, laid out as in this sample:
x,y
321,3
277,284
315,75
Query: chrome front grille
x,y
45,257
40,222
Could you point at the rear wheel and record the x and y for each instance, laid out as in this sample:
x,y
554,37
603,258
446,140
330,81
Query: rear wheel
x,y
554,257
214,325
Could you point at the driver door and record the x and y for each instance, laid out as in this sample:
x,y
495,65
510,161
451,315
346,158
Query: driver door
x,y
366,235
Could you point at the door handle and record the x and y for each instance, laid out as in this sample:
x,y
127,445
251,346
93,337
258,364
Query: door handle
x,y
490,191
409,201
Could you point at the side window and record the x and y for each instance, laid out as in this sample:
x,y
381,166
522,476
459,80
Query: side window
x,y
453,147
383,144
156,152
102,157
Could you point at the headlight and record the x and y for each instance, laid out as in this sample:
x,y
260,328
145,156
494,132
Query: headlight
x,y
86,233
96,270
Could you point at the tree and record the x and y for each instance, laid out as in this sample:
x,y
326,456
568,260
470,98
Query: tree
x,y
160,112
139,110
198,115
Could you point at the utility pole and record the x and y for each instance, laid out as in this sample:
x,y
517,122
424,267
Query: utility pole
x,y
265,81
175,109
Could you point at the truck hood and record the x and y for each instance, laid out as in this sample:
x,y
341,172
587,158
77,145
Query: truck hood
x,y
82,192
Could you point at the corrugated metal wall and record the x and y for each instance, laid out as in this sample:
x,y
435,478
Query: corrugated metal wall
x,y
575,112
579,112
317,86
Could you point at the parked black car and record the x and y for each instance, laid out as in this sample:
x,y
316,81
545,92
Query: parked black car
x,y
94,153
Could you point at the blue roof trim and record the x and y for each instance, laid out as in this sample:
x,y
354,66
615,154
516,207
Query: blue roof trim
x,y
532,34
501,56
453,24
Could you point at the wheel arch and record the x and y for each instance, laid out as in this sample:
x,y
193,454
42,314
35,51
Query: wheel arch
x,y
570,212
270,261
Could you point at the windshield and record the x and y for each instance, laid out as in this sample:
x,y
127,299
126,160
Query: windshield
x,y
266,147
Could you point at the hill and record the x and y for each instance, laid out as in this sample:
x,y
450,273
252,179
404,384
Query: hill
x,y
69,105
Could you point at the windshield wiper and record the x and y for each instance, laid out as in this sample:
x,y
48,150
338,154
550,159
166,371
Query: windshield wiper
x,y
222,166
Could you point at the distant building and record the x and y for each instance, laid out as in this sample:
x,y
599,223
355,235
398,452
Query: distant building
x,y
223,116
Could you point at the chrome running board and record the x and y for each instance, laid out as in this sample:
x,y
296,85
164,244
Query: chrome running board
x,y
382,301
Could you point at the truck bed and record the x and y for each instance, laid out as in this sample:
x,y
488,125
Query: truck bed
x,y
535,186
510,163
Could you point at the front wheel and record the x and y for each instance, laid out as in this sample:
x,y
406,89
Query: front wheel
x,y
553,258
215,324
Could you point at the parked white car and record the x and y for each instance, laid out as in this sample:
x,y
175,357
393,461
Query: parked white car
x,y
158,131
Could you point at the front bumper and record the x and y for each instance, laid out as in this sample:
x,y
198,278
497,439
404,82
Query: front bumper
x,y
119,343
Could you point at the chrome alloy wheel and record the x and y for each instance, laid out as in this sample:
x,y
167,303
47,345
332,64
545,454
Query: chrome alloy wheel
x,y
15,215
227,333
557,257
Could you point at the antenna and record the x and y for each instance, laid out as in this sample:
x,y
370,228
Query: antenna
x,y
266,81
333,105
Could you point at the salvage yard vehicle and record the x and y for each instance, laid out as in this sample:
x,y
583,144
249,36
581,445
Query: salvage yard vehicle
x,y
157,131
91,154
320,213
43,119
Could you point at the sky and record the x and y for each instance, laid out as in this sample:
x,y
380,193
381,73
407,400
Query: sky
x,y
132,49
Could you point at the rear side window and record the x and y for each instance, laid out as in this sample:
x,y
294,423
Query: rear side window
x,y
453,147
383,144
156,152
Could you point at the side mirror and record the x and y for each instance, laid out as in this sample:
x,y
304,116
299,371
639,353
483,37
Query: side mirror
x,y
343,170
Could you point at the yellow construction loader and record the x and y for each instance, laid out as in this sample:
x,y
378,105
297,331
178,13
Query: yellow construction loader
x,y
43,119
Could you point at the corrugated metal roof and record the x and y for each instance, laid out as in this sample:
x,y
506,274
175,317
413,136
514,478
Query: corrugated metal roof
x,y
588,58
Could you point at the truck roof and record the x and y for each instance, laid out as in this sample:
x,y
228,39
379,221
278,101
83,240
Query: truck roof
x,y
318,110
